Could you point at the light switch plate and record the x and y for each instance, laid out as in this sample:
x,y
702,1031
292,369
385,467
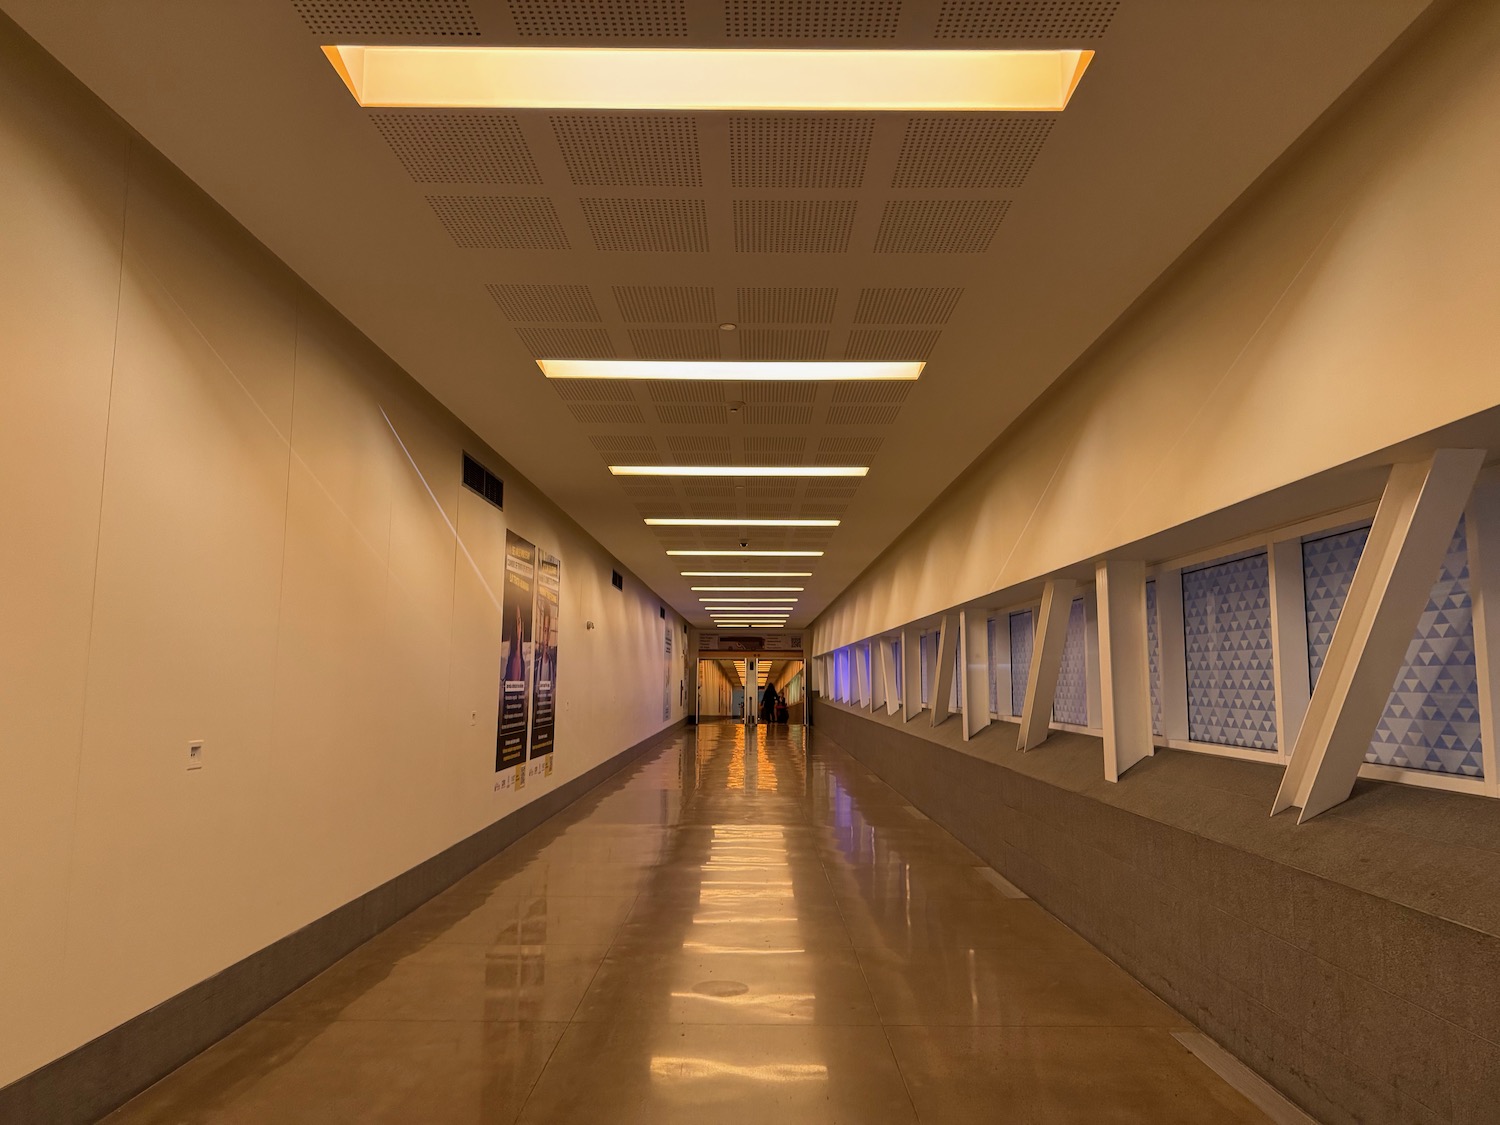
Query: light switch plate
x,y
195,755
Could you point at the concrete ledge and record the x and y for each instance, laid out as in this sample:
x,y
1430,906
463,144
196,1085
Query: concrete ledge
x,y
1355,964
103,1074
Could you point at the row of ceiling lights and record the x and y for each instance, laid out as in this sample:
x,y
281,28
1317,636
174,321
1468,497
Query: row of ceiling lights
x,y
698,79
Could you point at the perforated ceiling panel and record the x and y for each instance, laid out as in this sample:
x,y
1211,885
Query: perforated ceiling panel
x,y
939,226
605,413
874,343
786,305
567,343
811,19
629,150
545,302
969,152
458,148
634,225
500,222
1072,20
622,19
867,404
790,343
775,450
355,19
799,151
906,305
793,226
666,304
686,447
675,343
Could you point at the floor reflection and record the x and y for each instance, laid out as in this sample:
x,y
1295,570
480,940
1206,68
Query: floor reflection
x,y
746,926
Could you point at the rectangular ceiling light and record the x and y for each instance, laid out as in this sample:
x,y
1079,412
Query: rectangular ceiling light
x,y
698,79
747,590
701,521
746,573
739,470
721,600
749,554
728,370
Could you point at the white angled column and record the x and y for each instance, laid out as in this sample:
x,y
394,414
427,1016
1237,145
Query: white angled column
x,y
886,652
1289,641
974,658
877,676
1413,526
911,675
857,654
942,676
1124,665
1046,661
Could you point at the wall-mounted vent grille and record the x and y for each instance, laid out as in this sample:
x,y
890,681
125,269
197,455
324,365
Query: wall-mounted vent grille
x,y
797,151
615,580
479,479
635,150
787,305
567,343
590,19
969,152
1072,20
545,302
666,304
356,19
775,450
811,19
458,148
692,414
874,344
783,343
601,414
655,225
500,222
939,226
686,390
675,343
591,390
906,306
793,226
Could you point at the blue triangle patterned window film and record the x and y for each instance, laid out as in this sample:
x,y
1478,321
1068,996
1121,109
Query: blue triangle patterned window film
x,y
896,656
1432,719
867,654
1153,657
1071,703
1226,626
923,645
1020,659
993,628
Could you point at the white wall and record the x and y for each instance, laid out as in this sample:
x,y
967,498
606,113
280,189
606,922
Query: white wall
x,y
1349,306
209,529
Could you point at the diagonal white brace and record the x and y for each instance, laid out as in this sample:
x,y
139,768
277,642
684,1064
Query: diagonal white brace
x,y
1413,525
974,659
911,675
942,678
1046,662
1124,673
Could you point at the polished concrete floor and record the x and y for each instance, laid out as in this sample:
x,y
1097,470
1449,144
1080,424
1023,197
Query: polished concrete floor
x,y
732,930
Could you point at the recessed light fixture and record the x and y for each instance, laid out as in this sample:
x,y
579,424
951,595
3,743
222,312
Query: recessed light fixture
x,y
729,370
748,554
720,599
746,590
700,521
746,573
739,470
698,79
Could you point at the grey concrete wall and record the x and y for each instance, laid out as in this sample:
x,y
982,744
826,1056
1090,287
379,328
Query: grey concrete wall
x,y
1355,966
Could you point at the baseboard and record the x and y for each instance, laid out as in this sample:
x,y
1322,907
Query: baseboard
x,y
98,1077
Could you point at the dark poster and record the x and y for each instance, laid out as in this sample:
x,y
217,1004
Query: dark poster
x,y
544,690
515,650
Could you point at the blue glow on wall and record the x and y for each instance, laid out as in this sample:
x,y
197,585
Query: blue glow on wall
x,y
1020,659
1431,721
1226,625
1071,703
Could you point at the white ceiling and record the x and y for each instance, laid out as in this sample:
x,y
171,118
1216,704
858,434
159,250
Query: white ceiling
x,y
999,247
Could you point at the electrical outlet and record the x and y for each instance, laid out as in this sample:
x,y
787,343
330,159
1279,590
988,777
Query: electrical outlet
x,y
195,755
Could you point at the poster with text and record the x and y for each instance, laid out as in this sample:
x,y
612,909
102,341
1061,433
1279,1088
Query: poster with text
x,y
666,679
516,610
544,674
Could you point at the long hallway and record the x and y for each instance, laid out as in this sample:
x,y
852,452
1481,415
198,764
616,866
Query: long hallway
x,y
737,928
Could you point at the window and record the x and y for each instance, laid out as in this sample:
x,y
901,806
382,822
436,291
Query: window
x,y
1020,659
1431,721
1153,656
924,644
1226,624
993,648
1070,704
896,651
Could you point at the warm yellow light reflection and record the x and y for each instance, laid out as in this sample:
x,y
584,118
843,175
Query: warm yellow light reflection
x,y
739,470
730,370
697,79
676,1067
